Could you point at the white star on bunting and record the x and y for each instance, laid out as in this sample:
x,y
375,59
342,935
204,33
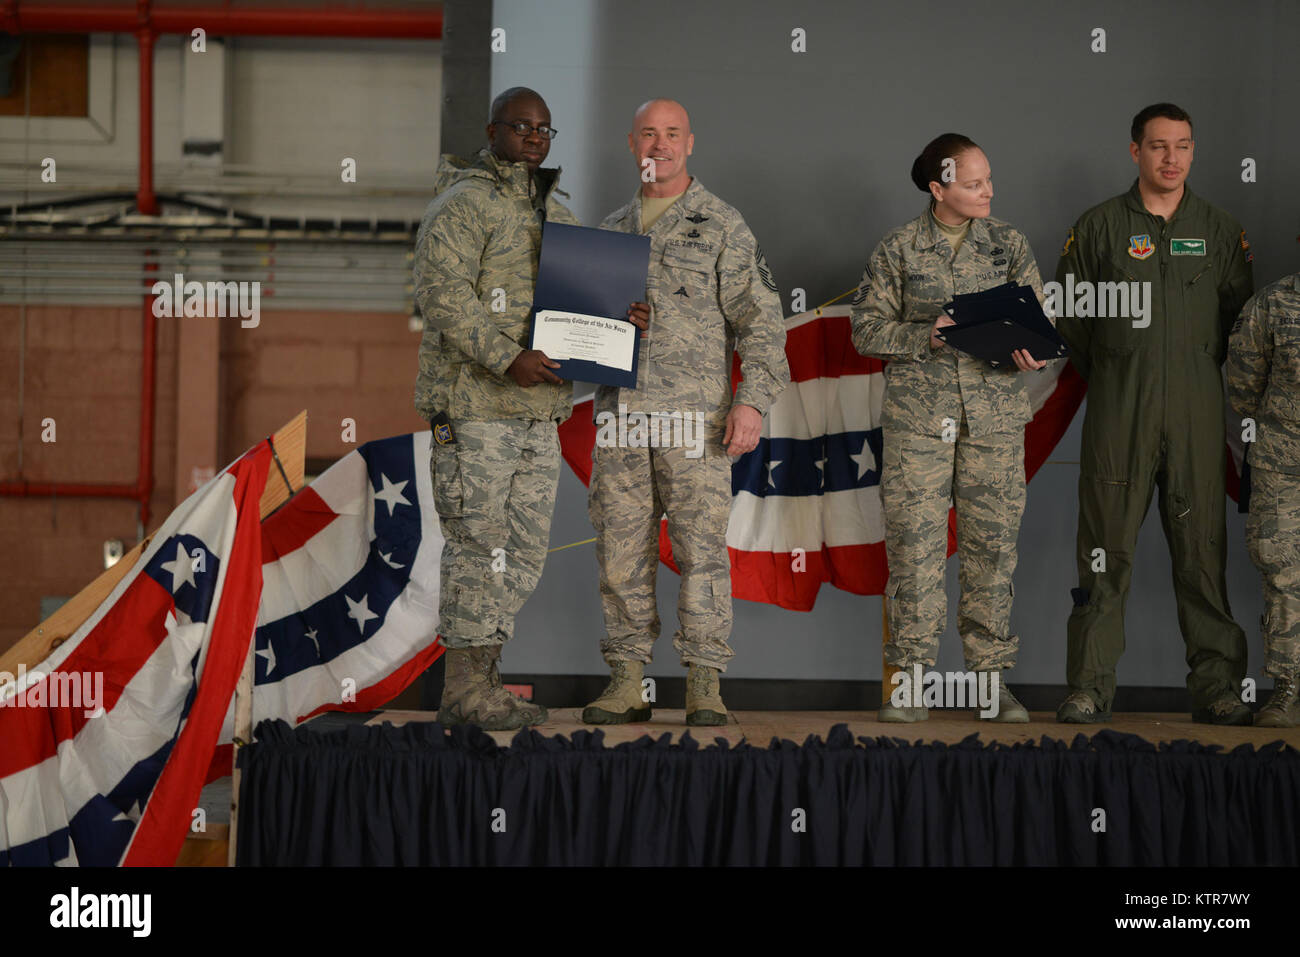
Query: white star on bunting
x,y
269,654
866,459
391,495
181,567
359,611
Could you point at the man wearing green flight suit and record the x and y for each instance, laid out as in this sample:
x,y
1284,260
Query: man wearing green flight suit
x,y
1155,416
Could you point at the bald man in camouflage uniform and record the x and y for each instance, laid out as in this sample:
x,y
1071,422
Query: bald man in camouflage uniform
x,y
493,403
1264,385
710,291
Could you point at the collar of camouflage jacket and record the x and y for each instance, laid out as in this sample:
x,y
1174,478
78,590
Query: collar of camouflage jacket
x,y
673,212
928,234
1133,199
487,165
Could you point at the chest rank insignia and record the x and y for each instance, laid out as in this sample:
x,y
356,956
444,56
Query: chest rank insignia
x,y
681,291
697,219
1139,247
693,234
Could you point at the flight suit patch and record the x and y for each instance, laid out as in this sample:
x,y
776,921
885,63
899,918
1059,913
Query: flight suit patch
x,y
1139,247
1187,247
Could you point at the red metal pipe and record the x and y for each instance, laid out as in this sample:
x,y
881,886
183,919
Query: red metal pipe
x,y
73,489
147,203
145,200
146,22
148,387
221,21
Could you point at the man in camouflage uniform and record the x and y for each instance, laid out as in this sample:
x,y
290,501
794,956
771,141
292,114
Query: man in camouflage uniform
x,y
953,428
493,403
1155,404
1264,385
709,289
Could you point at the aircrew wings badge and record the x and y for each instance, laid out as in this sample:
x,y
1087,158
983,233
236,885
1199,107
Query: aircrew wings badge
x,y
1139,247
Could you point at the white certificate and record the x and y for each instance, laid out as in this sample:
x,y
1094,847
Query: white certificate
x,y
572,335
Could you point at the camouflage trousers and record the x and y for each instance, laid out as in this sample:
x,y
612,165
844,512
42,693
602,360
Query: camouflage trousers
x,y
1273,538
631,488
985,478
494,489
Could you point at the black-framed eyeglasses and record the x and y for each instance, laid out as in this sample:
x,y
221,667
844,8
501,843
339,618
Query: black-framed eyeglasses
x,y
523,129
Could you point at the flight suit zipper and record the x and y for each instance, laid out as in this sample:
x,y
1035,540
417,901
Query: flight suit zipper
x,y
1164,336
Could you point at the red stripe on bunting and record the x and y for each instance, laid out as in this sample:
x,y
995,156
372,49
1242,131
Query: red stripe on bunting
x,y
118,646
161,832
379,694
290,528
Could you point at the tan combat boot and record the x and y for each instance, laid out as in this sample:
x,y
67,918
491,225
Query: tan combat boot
x,y
532,713
891,713
1009,710
703,699
1283,707
472,693
621,701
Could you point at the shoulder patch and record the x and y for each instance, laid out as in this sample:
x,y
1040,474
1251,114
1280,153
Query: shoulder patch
x,y
1069,241
1245,247
864,287
764,272
1139,246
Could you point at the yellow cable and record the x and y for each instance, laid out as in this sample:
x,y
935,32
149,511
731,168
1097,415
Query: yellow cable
x,y
560,548
832,302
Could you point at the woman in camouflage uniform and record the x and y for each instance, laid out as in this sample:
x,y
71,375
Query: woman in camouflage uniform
x,y
953,425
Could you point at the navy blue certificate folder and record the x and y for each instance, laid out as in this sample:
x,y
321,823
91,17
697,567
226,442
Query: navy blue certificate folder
x,y
992,324
594,274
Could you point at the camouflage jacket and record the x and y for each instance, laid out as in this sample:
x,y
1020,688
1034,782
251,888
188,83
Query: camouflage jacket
x,y
477,249
1264,374
709,291
912,273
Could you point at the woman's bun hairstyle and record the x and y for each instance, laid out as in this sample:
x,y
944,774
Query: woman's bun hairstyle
x,y
928,167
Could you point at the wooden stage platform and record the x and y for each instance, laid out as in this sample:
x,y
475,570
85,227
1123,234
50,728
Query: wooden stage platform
x,y
759,727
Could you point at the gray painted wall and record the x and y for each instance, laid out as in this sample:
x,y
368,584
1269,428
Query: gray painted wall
x,y
815,148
